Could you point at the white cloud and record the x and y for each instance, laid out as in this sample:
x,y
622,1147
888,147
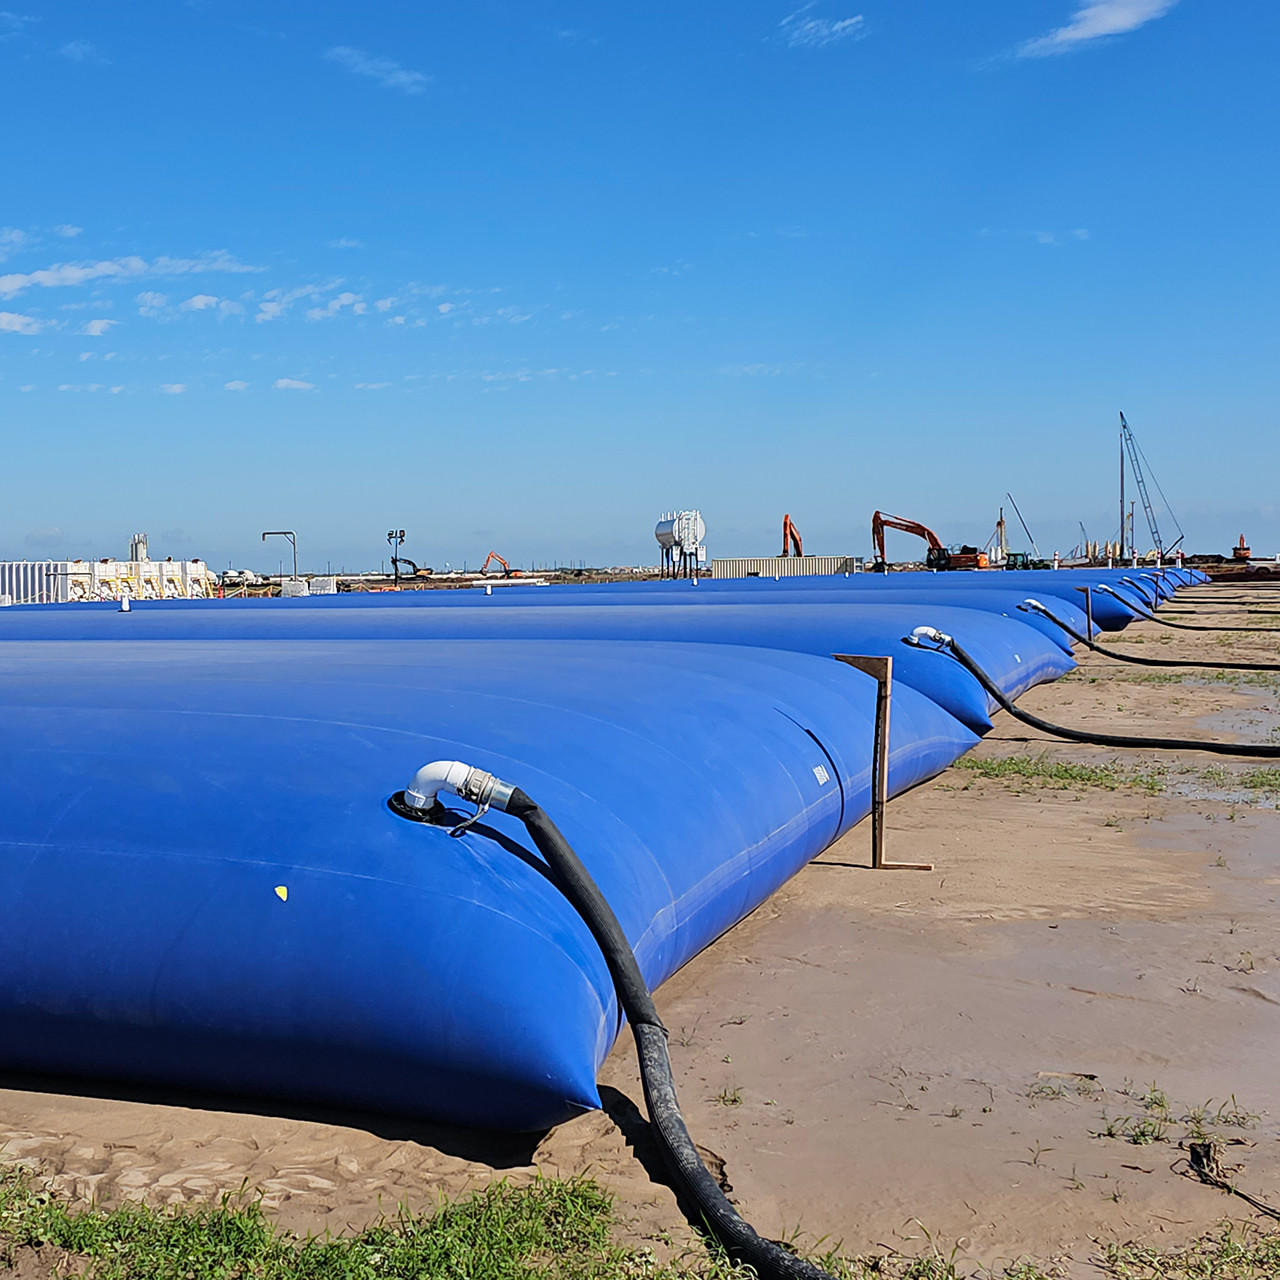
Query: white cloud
x,y
86,355
371,386
68,230
444,308
96,328
173,388
276,302
801,31
29,386
150,304
200,302
293,384
65,274
344,242
1092,20
390,75
334,305
396,320
82,51
12,23
12,322
115,391
385,304
236,386
11,240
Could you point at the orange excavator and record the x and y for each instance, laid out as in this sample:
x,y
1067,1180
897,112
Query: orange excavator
x,y
507,570
936,557
791,544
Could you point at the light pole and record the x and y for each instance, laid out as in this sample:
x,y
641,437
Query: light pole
x,y
293,539
395,540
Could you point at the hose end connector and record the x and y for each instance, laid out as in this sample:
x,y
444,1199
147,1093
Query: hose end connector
x,y
456,778
931,634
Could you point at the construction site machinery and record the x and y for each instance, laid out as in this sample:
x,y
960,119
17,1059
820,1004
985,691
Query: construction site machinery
x,y
791,543
937,556
1130,447
507,570
1241,550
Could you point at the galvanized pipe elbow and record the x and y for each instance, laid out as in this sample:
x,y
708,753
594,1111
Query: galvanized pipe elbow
x,y
456,778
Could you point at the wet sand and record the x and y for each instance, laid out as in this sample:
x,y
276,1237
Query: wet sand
x,y
874,1055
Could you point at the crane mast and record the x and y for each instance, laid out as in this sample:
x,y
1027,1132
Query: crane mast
x,y
1130,446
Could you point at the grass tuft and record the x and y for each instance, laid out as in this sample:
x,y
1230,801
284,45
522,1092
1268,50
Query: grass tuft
x,y
548,1230
1041,768
1064,774
1261,779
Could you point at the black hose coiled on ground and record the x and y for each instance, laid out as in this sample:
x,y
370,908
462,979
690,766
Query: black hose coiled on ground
x,y
739,1238
1182,626
1082,735
1034,606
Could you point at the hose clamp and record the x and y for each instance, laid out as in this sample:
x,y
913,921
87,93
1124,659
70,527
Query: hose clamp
x,y
485,790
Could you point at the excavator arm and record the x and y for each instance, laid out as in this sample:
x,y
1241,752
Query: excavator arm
x,y
937,556
880,522
490,558
791,543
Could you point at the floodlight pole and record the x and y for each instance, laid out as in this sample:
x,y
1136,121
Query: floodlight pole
x,y
293,539
395,540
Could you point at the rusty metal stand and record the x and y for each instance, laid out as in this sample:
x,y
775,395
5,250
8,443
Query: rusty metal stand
x,y
1088,611
880,669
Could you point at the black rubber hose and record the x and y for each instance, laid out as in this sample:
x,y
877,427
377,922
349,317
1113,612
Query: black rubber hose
x,y
1145,662
1184,626
1083,735
1152,600
722,1220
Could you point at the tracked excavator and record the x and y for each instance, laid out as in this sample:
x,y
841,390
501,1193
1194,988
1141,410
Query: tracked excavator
x,y
937,556
507,570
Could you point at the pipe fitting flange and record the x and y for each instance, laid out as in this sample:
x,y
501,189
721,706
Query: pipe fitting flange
x,y
400,806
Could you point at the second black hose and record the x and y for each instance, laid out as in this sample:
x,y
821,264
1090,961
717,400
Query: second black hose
x,y
1035,606
1256,750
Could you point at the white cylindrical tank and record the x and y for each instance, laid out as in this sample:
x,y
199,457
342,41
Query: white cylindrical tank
x,y
684,530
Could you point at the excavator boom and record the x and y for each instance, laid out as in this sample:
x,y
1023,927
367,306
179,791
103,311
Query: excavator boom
x,y
937,556
791,543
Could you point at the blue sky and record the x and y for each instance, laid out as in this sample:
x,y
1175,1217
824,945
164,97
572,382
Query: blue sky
x,y
526,275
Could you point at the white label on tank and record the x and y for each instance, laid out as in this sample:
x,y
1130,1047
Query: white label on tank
x,y
821,774
1018,656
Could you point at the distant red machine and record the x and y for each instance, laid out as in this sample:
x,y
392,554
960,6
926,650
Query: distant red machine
x,y
1241,550
791,543
936,557
507,570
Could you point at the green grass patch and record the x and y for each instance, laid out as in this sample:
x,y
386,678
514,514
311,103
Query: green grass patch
x,y
1063,774
547,1230
1059,773
1234,1253
1261,779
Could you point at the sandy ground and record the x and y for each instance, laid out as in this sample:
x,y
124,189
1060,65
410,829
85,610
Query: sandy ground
x,y
877,1055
